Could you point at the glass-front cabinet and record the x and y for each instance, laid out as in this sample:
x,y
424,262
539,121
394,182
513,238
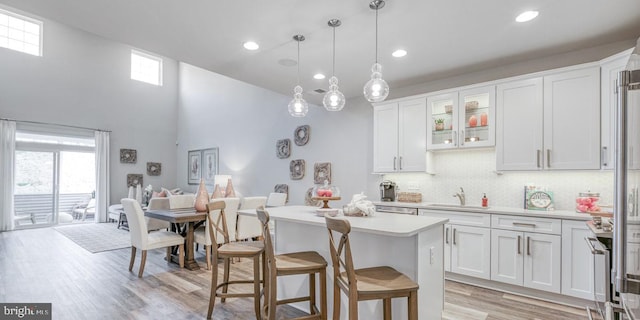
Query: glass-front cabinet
x,y
461,119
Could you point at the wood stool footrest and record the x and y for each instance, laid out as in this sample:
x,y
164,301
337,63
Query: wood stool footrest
x,y
293,300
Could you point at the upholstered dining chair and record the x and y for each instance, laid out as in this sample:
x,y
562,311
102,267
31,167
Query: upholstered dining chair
x,y
158,204
276,199
201,235
368,283
248,226
286,264
219,233
143,240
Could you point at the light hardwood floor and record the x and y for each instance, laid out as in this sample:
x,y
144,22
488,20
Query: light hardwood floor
x,y
41,265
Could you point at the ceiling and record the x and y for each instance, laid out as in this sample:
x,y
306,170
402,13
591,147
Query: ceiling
x,y
443,38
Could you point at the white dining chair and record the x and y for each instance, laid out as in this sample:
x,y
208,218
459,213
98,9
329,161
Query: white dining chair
x,y
250,227
157,204
201,235
143,240
276,199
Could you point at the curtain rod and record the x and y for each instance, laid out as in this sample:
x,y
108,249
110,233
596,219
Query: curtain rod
x,y
55,124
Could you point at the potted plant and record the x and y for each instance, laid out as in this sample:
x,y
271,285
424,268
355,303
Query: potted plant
x,y
439,124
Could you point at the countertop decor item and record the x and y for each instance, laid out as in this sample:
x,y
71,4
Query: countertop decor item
x,y
325,200
296,169
321,212
376,89
359,206
301,135
587,202
194,166
409,197
334,99
538,199
298,107
128,156
154,168
322,172
283,148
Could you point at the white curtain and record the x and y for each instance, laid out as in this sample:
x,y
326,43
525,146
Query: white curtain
x,y
7,155
102,175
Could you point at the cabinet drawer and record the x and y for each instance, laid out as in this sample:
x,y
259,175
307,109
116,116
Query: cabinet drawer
x,y
539,225
460,218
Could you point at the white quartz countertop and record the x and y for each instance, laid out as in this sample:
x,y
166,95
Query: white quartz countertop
x,y
558,214
389,224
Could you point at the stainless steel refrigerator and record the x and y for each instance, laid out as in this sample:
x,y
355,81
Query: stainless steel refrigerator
x,y
626,230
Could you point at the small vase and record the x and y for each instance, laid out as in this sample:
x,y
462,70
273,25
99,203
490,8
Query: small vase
x,y
229,192
217,193
202,197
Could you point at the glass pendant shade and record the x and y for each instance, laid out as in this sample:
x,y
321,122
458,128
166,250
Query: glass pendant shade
x,y
298,107
333,99
376,89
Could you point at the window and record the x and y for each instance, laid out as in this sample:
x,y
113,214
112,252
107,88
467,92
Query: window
x,y
20,33
146,68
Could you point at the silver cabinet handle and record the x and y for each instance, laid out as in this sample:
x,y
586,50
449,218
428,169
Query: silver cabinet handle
x,y
394,163
462,137
400,163
454,236
590,241
604,156
538,157
519,238
548,158
446,235
455,138
522,224
528,246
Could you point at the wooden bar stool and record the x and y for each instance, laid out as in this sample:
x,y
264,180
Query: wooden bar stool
x,y
367,283
228,251
297,263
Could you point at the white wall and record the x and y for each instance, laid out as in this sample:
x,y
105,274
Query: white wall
x,y
84,80
245,121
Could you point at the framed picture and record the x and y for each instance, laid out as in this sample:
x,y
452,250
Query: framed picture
x,y
194,166
210,160
134,179
154,168
128,156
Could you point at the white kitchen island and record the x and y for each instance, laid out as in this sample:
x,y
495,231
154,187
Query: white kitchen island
x,y
412,245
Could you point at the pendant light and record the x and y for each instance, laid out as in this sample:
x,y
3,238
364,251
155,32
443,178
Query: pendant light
x,y
376,89
298,107
333,99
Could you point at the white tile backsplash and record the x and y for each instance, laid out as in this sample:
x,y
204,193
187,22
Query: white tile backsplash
x,y
474,170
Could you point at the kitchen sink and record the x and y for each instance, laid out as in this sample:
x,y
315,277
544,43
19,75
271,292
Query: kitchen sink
x,y
456,206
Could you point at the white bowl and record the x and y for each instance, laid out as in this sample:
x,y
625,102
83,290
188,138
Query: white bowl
x,y
330,212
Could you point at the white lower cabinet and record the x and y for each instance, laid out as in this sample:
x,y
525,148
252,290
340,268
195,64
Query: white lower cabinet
x,y
447,247
577,260
471,251
526,259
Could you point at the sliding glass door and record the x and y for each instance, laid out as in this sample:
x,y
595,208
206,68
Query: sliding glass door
x,y
55,180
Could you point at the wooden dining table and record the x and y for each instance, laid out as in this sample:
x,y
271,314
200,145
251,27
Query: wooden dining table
x,y
192,218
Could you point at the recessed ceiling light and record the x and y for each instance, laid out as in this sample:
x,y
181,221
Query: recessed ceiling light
x,y
318,76
527,16
399,53
250,45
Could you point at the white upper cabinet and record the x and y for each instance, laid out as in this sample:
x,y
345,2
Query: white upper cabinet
x,y
609,69
399,136
461,119
550,123
572,119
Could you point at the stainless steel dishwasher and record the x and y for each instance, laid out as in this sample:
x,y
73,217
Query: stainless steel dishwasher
x,y
400,210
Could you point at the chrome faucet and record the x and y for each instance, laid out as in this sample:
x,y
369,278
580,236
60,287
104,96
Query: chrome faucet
x,y
460,196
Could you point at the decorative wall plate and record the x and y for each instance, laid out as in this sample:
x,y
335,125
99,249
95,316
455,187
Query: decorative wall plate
x,y
134,179
282,188
283,148
321,172
301,135
128,156
308,199
154,168
296,169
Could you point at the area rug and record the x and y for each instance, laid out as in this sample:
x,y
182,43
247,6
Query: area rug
x,y
97,237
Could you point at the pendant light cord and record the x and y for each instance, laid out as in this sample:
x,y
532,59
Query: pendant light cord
x,y
376,35
333,71
298,61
